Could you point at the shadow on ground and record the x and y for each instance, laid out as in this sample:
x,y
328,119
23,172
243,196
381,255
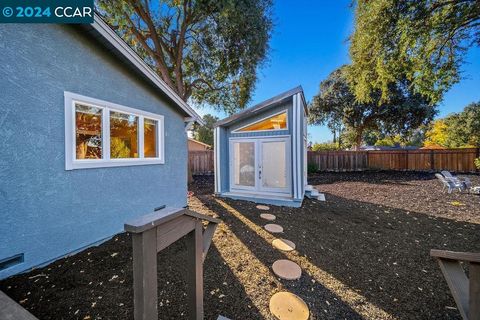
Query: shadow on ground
x,y
379,252
98,284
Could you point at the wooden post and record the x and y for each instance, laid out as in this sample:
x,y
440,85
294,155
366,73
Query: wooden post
x,y
195,272
432,160
145,293
156,231
474,270
465,290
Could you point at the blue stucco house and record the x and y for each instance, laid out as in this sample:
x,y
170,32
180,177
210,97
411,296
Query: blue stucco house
x,y
90,137
261,152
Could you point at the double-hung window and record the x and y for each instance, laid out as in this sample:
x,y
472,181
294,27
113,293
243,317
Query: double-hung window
x,y
103,134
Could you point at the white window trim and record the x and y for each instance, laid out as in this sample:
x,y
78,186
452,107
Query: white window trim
x,y
71,163
265,118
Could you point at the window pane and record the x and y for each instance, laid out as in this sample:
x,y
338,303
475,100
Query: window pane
x,y
150,138
278,122
244,163
123,135
88,132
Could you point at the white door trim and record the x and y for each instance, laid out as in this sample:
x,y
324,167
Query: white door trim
x,y
258,140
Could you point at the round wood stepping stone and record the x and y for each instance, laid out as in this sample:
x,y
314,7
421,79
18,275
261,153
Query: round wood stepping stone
x,y
287,306
283,244
268,216
287,269
262,207
273,228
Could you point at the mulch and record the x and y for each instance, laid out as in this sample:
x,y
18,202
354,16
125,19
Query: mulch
x,y
364,254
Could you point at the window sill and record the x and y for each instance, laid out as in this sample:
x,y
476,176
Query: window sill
x,y
89,164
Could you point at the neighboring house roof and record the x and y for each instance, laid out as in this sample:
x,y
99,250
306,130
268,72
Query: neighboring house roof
x,y
262,106
199,142
386,148
101,31
433,147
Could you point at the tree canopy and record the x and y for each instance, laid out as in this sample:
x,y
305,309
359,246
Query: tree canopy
x,y
336,102
422,41
207,51
457,130
205,133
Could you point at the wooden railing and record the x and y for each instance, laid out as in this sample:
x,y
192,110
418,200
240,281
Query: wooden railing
x,y
455,160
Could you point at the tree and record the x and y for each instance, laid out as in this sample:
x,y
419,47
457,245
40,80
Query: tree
x,y
405,112
206,51
457,130
423,41
205,133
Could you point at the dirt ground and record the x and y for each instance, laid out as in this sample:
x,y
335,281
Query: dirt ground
x,y
364,254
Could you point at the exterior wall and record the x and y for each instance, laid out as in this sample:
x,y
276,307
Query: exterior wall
x,y
226,133
195,146
45,211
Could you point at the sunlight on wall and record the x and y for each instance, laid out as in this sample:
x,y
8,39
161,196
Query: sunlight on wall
x,y
354,300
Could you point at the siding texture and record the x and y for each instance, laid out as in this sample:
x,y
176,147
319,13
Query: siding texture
x,y
45,211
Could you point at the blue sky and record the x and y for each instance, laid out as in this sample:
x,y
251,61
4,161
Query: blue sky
x,y
310,40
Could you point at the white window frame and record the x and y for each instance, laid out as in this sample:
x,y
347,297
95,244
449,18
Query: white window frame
x,y
71,163
262,119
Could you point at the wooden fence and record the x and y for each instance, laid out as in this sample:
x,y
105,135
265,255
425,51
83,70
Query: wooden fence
x,y
200,162
455,160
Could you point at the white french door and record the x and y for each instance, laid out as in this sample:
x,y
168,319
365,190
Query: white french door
x,y
260,165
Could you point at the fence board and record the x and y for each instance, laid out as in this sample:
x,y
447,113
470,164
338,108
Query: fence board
x,y
201,162
455,160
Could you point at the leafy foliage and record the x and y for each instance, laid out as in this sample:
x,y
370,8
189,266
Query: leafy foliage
x,y
207,51
335,102
423,41
457,130
477,163
325,146
205,133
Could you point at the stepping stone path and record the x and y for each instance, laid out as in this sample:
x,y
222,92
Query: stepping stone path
x,y
287,269
267,216
283,244
287,306
273,228
284,305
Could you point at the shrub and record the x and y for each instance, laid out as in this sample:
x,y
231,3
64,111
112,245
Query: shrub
x,y
325,146
477,163
312,168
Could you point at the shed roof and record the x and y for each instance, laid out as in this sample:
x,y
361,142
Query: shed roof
x,y
103,33
262,106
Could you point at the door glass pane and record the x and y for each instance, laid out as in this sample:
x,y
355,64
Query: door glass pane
x,y
88,132
150,138
244,163
274,164
123,135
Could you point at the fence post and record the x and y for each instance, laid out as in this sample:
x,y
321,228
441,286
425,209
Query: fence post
x,y
432,160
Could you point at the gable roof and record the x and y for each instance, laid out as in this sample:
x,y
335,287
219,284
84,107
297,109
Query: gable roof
x,y
262,106
100,30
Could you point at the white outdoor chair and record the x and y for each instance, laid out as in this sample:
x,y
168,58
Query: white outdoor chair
x,y
464,182
448,185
